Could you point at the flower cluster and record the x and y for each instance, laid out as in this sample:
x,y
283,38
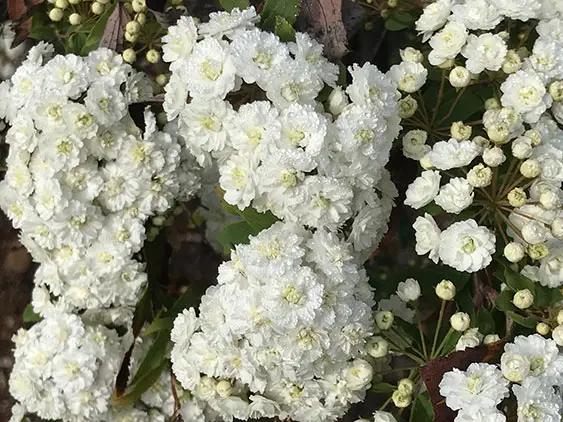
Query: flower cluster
x,y
534,366
282,334
246,103
82,180
500,175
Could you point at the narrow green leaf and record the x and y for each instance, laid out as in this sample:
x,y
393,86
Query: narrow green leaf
x,y
235,234
287,9
157,353
229,5
258,220
159,324
528,322
394,25
423,408
137,389
504,301
383,387
29,315
450,343
284,30
95,35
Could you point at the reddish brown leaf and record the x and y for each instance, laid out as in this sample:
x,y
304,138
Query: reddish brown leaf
x,y
433,372
324,17
19,12
114,30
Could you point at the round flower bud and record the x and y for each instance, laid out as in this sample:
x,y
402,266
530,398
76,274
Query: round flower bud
x,y
522,147
447,64
460,131
380,416
480,176
401,400
392,3
407,107
410,54
97,8
414,144
556,90
359,374
481,141
538,251
460,77
206,387
133,27
425,162
492,104
517,197
132,38
377,347
523,299
560,317
153,56
129,55
550,200
514,251
61,4
405,386
534,232
73,1
445,290
224,388
557,228
534,136
493,157
530,168
557,335
56,14
153,233
75,19
543,329
491,338
408,290
337,101
514,367
161,118
460,321
161,79
498,133
141,18
512,62
139,6
504,35
384,319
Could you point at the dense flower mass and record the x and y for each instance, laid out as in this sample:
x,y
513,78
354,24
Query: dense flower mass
x,y
252,113
283,333
82,179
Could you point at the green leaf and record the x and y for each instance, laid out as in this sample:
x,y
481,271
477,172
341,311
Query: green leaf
x,y
383,387
157,353
95,35
450,342
235,234
287,9
517,281
29,315
398,21
76,42
432,209
528,322
137,389
546,297
41,26
258,220
284,30
229,5
485,321
504,301
159,324
423,408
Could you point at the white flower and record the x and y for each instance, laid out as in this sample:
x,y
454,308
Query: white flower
x,y
542,354
414,144
459,77
433,17
525,92
453,154
476,14
480,176
455,196
466,246
493,157
229,24
408,76
482,415
427,237
423,190
238,179
380,416
487,51
537,401
410,54
481,386
408,290
518,9
471,338
514,367
447,43
179,42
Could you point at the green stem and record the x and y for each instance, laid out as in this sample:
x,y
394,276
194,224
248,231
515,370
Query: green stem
x,y
422,339
437,333
384,405
443,343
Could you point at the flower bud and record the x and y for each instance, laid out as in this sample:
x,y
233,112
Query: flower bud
x,y
129,55
556,90
557,228
141,18
460,321
337,101
534,232
538,251
161,79
384,320
153,56
534,136
560,317
517,197
491,338
405,386
445,290
512,62
61,4
492,104
522,147
410,54
153,233
377,347
97,8
133,27
380,416
543,329
557,335
425,162
493,157
206,387
75,19
471,338
514,367
224,388
514,251
132,38
550,200
408,290
139,6
73,1
392,3
460,77
401,400
407,107
480,176
498,133
460,131
523,299
359,374
530,168
481,141
56,14
447,64
414,144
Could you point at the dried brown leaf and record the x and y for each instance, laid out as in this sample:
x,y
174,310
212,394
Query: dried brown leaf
x,y
324,18
114,30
